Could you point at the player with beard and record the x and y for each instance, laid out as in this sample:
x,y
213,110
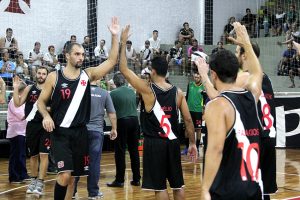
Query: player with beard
x,y
37,139
69,91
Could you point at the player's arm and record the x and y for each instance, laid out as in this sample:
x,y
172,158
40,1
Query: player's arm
x,y
203,69
111,112
254,83
189,126
216,140
139,84
95,73
43,99
2,91
19,100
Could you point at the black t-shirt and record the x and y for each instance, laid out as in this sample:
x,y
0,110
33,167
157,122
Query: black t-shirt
x,y
248,19
228,28
176,53
186,32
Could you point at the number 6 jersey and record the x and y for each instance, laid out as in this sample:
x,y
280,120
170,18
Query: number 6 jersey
x,y
239,175
70,100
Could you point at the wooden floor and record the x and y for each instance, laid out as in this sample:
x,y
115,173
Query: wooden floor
x,y
288,179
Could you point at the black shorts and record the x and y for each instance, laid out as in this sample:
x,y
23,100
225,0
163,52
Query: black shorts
x,y
70,150
268,164
37,139
197,119
162,162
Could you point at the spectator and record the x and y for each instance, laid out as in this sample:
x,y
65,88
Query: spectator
x,y
280,18
194,47
175,57
131,56
287,59
101,52
155,42
35,59
7,68
124,100
292,21
186,34
73,39
62,58
146,54
218,48
9,43
21,66
229,30
16,135
294,70
89,52
267,21
50,59
2,91
249,20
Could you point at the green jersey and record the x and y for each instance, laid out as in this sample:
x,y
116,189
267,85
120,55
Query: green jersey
x,y
194,97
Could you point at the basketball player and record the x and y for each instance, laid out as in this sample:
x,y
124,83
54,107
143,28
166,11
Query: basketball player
x,y
232,157
37,139
69,91
159,117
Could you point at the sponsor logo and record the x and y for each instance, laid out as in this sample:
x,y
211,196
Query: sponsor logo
x,y
64,85
17,6
83,82
60,164
33,92
86,168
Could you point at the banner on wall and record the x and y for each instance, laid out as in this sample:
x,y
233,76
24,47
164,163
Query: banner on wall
x,y
288,121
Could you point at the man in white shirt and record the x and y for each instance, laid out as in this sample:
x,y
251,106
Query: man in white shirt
x,y
9,44
155,42
101,51
131,56
35,58
50,59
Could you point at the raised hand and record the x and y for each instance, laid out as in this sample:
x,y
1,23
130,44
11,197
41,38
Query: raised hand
x,y
16,82
202,66
114,27
242,37
125,34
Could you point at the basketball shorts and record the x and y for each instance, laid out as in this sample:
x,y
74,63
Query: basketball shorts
x,y
37,139
197,119
268,164
162,162
70,150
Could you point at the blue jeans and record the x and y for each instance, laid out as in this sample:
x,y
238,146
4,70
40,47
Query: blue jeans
x,y
95,150
266,27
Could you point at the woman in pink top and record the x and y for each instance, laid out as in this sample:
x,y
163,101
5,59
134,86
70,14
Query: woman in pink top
x,y
16,135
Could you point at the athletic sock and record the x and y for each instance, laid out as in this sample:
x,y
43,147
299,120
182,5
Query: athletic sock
x,y
60,192
266,197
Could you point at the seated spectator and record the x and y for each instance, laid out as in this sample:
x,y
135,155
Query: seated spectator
x,y
294,70
62,58
16,135
73,39
132,60
292,21
101,52
287,59
50,59
186,34
7,68
249,20
9,43
267,21
22,67
35,59
194,47
280,18
146,54
219,48
175,58
89,52
155,43
228,30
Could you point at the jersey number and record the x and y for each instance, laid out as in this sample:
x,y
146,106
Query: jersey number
x,y
33,98
266,111
165,126
65,93
253,174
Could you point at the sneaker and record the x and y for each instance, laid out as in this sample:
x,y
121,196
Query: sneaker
x,y
99,196
39,187
17,182
31,186
75,196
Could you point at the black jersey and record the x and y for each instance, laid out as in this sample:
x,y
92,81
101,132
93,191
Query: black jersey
x,y
31,111
239,174
70,101
162,120
266,108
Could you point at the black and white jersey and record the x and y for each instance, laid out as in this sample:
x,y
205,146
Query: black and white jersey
x,y
71,100
266,108
239,170
162,120
31,111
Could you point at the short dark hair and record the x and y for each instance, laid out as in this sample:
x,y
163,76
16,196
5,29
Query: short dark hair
x,y
226,65
160,65
255,48
73,36
36,43
194,40
155,31
102,40
147,42
69,47
177,42
119,79
9,29
248,9
128,42
185,23
220,42
43,67
50,46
